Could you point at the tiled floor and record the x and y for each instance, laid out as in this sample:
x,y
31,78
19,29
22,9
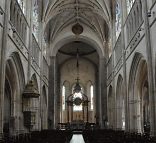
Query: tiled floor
x,y
77,138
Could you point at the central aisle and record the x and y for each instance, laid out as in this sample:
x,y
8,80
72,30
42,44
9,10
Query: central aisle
x,y
77,138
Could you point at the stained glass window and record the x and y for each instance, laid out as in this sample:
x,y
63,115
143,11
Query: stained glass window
x,y
35,27
63,97
118,20
92,97
129,5
22,4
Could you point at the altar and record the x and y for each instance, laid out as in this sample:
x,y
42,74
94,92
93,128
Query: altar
x,y
77,125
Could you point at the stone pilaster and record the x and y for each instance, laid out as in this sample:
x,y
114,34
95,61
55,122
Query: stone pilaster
x,y
2,62
150,67
102,91
52,93
30,44
126,99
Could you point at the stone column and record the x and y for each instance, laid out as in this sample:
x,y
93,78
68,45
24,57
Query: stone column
x,y
2,63
113,42
126,98
150,66
59,96
52,93
30,44
102,91
41,118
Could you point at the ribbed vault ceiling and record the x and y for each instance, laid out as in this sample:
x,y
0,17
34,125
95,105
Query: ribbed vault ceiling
x,y
95,14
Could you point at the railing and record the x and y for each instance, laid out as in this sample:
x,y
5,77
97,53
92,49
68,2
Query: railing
x,y
18,20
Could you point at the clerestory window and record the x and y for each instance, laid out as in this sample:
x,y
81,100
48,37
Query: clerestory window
x,y
118,19
35,18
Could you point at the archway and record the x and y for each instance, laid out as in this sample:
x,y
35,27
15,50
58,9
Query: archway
x,y
120,103
68,75
14,84
62,51
142,98
138,95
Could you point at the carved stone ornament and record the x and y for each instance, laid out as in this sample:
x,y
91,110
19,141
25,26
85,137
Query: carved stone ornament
x,y
31,90
77,29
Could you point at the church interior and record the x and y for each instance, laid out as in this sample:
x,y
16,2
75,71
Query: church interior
x,y
77,71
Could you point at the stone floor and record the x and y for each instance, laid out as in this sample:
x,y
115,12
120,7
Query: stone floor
x,y
77,138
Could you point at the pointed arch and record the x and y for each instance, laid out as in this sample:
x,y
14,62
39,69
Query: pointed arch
x,y
120,103
14,85
138,93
